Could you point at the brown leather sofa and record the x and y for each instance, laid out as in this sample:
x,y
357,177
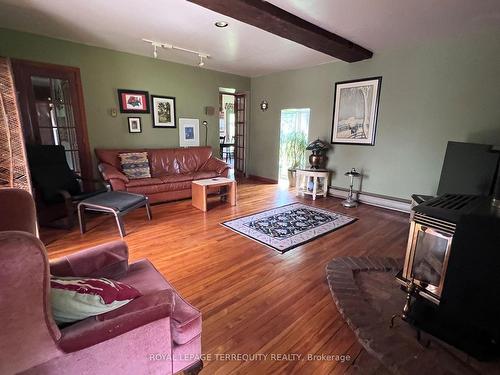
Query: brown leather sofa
x,y
172,170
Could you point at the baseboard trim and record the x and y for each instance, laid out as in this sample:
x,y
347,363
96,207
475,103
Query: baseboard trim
x,y
263,179
391,203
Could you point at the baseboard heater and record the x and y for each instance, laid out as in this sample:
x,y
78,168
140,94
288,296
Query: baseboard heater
x,y
391,203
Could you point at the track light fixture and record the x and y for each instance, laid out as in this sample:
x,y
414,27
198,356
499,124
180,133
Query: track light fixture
x,y
201,63
157,45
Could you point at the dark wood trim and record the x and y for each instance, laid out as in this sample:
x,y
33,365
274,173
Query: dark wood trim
x,y
263,179
23,70
269,17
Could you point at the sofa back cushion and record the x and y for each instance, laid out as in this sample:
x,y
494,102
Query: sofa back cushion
x,y
163,161
135,164
178,160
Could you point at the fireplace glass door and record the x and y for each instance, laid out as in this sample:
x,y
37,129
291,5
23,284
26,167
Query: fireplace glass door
x,y
430,249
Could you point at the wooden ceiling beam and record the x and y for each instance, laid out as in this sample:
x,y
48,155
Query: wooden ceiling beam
x,y
269,17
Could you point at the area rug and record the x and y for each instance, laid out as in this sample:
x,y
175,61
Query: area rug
x,y
287,227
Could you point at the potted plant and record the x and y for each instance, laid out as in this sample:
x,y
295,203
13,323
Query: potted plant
x,y
295,144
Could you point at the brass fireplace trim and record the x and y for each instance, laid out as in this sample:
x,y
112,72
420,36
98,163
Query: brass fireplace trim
x,y
431,292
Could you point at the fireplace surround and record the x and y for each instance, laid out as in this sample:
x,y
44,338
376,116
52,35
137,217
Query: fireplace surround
x,y
452,272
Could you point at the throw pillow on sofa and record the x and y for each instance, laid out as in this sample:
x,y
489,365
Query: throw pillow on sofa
x,y
135,164
76,298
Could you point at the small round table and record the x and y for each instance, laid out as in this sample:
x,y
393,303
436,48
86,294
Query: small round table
x,y
312,182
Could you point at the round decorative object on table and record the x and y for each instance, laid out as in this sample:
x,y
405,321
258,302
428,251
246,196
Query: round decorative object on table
x,y
350,201
317,160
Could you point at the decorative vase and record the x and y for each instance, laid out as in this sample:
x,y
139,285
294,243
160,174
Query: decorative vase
x,y
317,160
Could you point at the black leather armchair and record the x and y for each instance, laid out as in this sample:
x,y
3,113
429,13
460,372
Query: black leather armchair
x,y
57,188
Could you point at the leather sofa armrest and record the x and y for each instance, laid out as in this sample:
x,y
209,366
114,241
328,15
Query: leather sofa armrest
x,y
217,165
107,260
110,172
139,312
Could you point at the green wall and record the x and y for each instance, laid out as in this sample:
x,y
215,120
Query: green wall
x,y
103,71
447,90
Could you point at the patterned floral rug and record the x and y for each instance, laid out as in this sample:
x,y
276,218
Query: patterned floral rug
x,y
289,226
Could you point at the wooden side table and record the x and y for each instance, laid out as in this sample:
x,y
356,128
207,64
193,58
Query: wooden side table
x,y
319,178
200,187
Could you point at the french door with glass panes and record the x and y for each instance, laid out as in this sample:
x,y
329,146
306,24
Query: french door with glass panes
x,y
52,110
240,134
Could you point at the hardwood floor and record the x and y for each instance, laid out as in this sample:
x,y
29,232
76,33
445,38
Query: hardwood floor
x,y
253,299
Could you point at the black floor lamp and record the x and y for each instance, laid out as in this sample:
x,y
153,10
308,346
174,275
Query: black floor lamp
x,y
205,124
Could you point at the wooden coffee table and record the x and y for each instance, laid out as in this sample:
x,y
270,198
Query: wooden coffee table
x,y
200,189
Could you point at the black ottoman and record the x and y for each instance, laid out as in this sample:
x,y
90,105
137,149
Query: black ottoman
x,y
117,203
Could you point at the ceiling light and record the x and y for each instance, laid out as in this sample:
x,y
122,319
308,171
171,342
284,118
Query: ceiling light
x,y
155,45
201,63
221,24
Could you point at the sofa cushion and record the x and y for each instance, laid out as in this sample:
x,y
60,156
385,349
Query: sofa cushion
x,y
135,165
143,182
178,160
75,298
181,177
205,174
186,320
153,189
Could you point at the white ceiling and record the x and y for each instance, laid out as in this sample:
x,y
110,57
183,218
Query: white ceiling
x,y
241,48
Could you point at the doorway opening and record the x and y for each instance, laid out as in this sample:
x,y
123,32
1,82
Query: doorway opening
x,y
232,130
227,128
52,110
294,131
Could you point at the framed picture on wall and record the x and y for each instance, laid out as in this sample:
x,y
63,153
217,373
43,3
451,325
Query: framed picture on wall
x,y
133,101
189,132
355,110
163,111
134,125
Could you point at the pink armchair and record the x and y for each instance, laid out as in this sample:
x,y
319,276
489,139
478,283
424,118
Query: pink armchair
x,y
157,333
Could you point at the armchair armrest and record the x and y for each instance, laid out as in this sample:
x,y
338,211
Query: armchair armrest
x,y
107,260
214,164
94,180
110,172
141,311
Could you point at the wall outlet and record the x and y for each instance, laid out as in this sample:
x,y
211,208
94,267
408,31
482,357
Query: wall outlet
x,y
113,112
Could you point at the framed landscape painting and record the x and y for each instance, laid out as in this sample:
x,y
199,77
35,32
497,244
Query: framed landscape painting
x,y
133,101
355,110
189,132
163,111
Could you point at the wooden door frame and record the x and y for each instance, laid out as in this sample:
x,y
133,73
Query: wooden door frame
x,y
243,157
245,135
23,70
